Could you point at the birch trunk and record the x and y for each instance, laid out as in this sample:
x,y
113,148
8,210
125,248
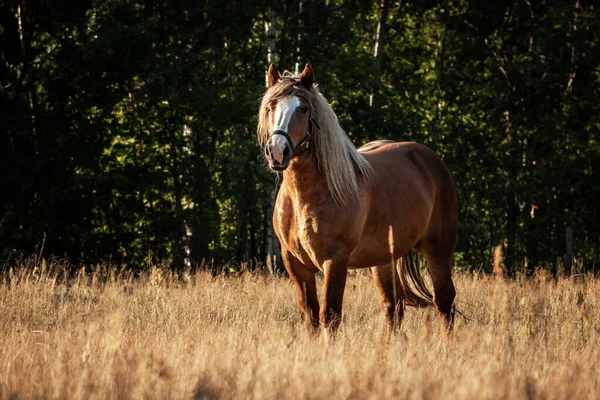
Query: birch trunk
x,y
378,53
270,31
272,248
299,57
26,79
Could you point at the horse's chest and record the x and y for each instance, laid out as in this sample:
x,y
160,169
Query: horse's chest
x,y
308,231
302,234
307,236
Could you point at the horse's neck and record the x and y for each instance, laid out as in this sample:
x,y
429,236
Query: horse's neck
x,y
304,180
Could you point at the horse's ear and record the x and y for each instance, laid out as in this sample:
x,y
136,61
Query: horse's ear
x,y
272,75
307,78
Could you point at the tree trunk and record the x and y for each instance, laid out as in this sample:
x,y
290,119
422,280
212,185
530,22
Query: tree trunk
x,y
205,216
179,237
378,53
510,201
440,65
272,248
244,206
510,233
27,83
568,250
299,56
230,69
25,73
270,30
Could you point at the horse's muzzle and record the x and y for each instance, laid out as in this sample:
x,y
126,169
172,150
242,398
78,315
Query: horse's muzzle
x,y
279,155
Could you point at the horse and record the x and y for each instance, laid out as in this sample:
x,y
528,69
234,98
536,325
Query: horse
x,y
339,208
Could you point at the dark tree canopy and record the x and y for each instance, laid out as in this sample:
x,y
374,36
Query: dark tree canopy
x,y
127,128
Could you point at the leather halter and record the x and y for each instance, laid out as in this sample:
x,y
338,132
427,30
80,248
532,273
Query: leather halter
x,y
304,141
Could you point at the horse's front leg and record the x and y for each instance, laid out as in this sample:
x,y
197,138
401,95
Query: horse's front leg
x,y
335,270
304,279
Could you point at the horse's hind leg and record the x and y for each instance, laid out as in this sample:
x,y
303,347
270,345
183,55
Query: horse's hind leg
x,y
440,269
305,282
392,299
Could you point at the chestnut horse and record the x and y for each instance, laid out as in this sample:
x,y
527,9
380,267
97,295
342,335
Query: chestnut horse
x,y
341,208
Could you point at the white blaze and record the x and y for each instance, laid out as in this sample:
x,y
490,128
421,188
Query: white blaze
x,y
283,115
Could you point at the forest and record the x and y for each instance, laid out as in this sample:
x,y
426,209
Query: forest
x,y
128,128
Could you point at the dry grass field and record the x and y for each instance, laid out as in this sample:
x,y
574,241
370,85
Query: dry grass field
x,y
108,336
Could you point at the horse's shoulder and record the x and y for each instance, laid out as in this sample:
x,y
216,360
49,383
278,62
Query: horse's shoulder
x,y
283,199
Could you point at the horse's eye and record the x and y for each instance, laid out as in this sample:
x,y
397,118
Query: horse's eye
x,y
268,109
304,110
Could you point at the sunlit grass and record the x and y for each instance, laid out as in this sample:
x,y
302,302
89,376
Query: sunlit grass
x,y
108,335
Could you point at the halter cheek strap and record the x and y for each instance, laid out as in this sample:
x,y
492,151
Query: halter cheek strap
x,y
304,141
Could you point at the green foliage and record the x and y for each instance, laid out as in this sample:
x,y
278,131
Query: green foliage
x,y
128,127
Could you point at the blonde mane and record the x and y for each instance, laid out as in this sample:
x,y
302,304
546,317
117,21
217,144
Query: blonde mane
x,y
341,165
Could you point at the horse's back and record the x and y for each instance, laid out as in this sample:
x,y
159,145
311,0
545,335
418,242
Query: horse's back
x,y
399,157
411,191
387,148
374,145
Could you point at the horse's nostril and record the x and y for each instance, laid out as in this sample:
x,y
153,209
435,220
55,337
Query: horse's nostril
x,y
286,152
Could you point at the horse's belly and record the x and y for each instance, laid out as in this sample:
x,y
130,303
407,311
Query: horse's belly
x,y
369,253
374,246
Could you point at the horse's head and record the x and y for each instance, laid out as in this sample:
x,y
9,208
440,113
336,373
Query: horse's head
x,y
285,121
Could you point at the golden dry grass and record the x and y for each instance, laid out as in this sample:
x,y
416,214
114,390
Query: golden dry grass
x,y
241,337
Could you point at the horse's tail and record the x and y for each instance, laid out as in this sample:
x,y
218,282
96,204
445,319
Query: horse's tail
x,y
415,291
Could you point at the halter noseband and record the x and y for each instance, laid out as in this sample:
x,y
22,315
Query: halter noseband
x,y
304,141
